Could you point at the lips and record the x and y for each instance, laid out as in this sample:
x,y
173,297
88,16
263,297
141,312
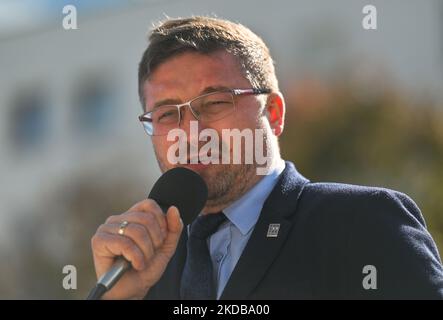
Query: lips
x,y
199,167
196,160
193,161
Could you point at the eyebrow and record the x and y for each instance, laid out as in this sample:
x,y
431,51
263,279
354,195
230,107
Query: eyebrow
x,y
206,90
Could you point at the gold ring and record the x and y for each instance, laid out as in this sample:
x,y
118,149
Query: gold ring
x,y
121,229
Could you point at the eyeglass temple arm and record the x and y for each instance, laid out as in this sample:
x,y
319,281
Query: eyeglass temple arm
x,y
250,91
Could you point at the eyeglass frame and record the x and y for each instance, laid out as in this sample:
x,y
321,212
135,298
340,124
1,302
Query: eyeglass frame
x,y
235,92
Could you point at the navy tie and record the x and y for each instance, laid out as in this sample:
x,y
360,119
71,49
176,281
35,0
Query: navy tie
x,y
197,280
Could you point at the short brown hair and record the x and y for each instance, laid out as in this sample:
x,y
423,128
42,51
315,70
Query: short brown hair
x,y
207,35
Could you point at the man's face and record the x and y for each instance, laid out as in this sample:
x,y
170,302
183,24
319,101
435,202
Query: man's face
x,y
187,76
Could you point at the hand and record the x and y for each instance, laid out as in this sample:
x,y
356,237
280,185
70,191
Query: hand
x,y
149,242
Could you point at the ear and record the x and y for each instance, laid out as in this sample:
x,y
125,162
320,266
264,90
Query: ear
x,y
275,112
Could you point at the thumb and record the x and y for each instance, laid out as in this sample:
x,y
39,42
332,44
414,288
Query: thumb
x,y
175,227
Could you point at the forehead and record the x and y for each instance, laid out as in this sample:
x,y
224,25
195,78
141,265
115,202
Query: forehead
x,y
186,75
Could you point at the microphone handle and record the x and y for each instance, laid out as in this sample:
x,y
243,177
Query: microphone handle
x,y
115,273
109,279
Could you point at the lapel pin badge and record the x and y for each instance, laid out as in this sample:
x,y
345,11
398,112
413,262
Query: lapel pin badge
x,y
273,230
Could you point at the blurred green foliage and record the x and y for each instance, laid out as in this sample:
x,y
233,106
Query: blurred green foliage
x,y
347,133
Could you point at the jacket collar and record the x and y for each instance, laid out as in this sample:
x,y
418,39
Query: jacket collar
x,y
277,214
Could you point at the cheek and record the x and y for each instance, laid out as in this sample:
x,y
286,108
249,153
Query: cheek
x,y
241,119
250,114
161,146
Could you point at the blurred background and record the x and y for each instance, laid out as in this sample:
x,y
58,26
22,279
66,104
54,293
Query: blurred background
x,y
364,107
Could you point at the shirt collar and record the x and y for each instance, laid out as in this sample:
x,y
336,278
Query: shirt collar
x,y
244,212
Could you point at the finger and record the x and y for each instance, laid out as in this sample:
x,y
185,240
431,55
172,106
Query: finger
x,y
147,220
137,233
108,245
175,227
150,205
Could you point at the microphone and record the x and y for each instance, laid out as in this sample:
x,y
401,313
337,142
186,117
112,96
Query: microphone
x,y
179,187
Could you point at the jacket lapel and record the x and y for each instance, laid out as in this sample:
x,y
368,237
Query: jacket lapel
x,y
169,284
262,249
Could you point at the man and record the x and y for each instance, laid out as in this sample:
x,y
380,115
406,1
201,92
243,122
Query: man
x,y
279,235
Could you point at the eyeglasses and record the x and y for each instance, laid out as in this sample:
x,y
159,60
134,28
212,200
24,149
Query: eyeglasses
x,y
205,108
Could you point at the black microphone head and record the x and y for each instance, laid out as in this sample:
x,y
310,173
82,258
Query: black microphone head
x,y
182,188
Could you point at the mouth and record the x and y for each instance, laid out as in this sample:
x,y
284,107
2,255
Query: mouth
x,y
198,166
211,158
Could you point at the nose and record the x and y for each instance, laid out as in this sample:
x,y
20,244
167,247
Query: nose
x,y
185,122
186,115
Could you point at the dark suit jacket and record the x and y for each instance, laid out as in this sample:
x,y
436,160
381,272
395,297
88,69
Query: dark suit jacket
x,y
328,233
